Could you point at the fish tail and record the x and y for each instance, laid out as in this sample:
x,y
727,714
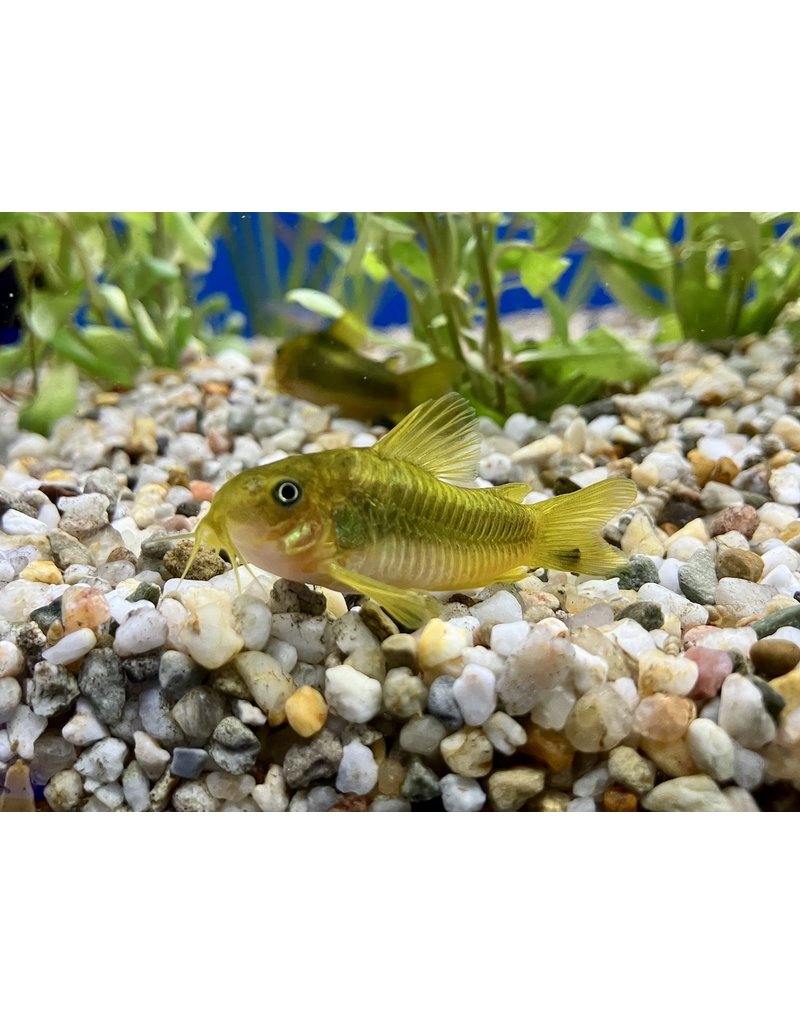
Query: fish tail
x,y
568,528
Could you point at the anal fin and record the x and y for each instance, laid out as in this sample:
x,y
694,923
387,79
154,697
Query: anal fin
x,y
410,607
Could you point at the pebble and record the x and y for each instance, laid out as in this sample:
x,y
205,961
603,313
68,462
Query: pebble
x,y
103,761
351,694
318,758
64,792
461,794
271,794
663,673
475,693
194,797
632,637
209,633
501,607
784,484
627,767
234,747
305,633
177,674
741,518
664,717
468,752
439,647
504,733
157,718
71,648
24,727
12,660
688,612
150,755
51,690
737,563
507,637
322,798
442,704
593,783
691,793
269,686
141,631
713,667
135,787
18,524
639,570
420,784
404,694
423,735
233,788
599,720
749,768
742,713
543,662
647,614
582,804
698,578
773,657
101,680
712,749
358,771
511,788
10,696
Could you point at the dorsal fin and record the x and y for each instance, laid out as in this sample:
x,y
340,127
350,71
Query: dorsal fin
x,y
512,492
439,436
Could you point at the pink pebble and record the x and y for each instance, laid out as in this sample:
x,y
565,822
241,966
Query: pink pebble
x,y
201,491
713,668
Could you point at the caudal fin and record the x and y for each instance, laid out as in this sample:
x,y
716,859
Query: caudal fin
x,y
569,526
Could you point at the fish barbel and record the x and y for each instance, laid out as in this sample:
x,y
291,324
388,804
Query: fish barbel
x,y
390,521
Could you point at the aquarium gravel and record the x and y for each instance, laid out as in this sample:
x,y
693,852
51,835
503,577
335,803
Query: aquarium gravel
x,y
675,686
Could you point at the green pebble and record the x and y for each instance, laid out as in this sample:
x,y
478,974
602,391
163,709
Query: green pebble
x,y
770,623
647,613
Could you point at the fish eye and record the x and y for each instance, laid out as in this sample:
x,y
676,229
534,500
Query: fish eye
x,y
287,493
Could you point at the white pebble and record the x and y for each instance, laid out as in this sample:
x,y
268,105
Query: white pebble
x,y
712,749
504,732
632,637
788,633
684,547
230,787
690,614
248,713
253,620
272,795
152,757
283,653
358,772
588,669
581,804
140,632
668,574
740,799
461,794
10,696
103,761
784,484
135,787
84,727
12,660
500,607
782,579
742,713
351,694
779,554
71,647
475,694
507,637
24,728
18,524
663,673
748,768
627,689
593,783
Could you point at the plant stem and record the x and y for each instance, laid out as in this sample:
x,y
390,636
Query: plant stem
x,y
428,227
493,353
95,298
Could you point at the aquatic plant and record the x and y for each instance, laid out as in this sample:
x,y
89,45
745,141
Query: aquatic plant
x,y
708,276
105,294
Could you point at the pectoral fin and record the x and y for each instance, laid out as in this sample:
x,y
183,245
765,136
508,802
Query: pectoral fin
x,y
411,607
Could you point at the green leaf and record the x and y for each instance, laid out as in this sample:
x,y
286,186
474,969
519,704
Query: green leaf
x,y
669,329
147,332
105,353
197,251
160,270
539,270
116,301
373,266
316,302
13,359
48,313
509,255
57,396
557,230
390,226
411,257
598,355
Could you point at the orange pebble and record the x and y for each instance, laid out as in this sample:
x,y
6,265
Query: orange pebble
x,y
616,799
549,746
201,490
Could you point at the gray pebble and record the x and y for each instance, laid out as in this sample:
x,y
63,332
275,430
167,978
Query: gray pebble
x,y
420,783
322,798
198,713
102,681
442,703
698,578
128,723
51,754
177,674
188,762
422,735
52,690
68,551
45,616
157,718
142,669
639,570
234,747
317,759
647,613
